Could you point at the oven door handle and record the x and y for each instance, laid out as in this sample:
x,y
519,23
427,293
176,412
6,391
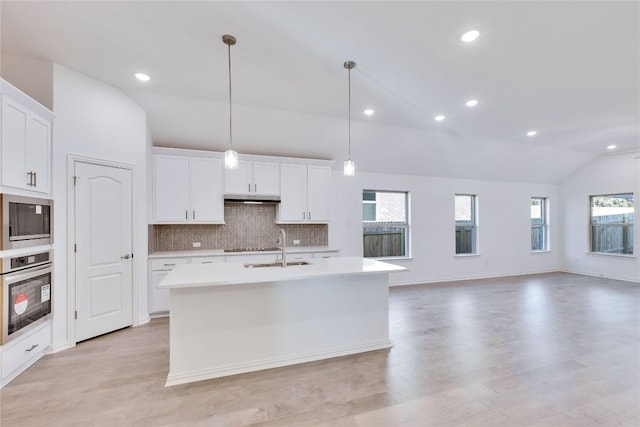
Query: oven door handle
x,y
27,273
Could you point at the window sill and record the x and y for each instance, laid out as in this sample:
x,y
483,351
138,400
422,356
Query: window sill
x,y
466,255
544,251
627,256
393,258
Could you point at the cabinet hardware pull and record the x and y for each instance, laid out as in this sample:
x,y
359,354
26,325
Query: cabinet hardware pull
x,y
255,188
126,256
30,183
186,214
249,187
31,348
309,214
35,179
169,265
194,214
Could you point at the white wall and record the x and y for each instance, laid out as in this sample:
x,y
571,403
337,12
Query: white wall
x,y
98,121
503,224
32,76
606,175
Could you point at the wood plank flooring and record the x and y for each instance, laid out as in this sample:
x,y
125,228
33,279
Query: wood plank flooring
x,y
541,350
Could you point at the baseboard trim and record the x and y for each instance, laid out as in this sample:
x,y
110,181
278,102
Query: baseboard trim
x,y
604,276
54,348
275,362
489,276
143,319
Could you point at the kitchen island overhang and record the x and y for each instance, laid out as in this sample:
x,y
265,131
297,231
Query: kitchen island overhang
x,y
226,319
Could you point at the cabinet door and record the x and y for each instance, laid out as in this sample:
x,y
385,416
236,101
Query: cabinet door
x,y
171,188
207,203
38,152
14,145
318,189
266,178
238,181
159,297
293,193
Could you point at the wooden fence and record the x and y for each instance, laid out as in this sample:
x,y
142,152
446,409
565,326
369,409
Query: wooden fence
x,y
612,238
384,240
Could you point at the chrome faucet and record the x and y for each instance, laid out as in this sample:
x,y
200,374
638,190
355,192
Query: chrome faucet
x,y
282,239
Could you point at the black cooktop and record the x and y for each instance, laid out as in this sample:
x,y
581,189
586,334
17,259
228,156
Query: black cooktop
x,y
251,249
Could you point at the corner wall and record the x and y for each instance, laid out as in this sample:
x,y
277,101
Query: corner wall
x,y
98,121
503,226
606,175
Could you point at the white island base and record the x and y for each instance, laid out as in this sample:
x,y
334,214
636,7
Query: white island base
x,y
224,327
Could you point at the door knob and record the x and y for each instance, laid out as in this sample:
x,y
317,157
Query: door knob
x,y
127,256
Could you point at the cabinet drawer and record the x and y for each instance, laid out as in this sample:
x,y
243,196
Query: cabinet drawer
x,y
25,350
167,263
326,254
207,259
252,258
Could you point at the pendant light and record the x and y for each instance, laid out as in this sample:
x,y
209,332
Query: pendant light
x,y
349,165
230,156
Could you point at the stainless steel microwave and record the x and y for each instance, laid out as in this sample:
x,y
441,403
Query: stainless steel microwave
x,y
26,221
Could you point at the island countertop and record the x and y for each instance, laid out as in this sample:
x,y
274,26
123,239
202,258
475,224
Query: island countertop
x,y
235,273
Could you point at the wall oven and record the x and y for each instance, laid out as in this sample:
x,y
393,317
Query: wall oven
x,y
26,221
26,292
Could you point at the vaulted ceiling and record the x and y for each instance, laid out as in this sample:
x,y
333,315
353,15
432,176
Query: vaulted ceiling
x,y
569,70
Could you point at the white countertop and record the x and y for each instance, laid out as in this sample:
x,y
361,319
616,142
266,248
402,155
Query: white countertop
x,y
221,252
235,273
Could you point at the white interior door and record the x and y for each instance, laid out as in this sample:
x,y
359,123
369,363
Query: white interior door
x,y
103,254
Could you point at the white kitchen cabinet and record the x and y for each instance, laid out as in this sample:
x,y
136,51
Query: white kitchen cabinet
x,y
24,351
304,191
187,189
26,142
159,268
253,177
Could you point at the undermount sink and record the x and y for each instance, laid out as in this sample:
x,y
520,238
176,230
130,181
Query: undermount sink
x,y
276,264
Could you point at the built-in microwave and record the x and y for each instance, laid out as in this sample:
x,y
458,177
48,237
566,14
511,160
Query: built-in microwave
x,y
26,221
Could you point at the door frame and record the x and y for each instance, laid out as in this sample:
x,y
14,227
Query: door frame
x,y
71,240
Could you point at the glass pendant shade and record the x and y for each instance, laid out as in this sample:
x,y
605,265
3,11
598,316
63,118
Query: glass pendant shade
x,y
349,168
231,159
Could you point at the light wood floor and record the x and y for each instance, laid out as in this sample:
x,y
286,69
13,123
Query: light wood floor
x,y
542,350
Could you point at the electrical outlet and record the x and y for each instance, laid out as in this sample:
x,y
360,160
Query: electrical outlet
x,y
296,242
196,244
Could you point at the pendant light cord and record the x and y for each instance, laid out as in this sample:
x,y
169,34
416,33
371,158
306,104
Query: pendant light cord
x,y
230,108
349,113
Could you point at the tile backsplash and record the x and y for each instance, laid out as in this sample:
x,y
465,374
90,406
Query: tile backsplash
x,y
246,226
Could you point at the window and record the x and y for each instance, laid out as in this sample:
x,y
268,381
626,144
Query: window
x,y
466,224
612,223
385,223
539,224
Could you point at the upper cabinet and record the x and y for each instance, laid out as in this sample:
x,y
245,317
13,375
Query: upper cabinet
x,y
253,177
25,142
187,189
305,192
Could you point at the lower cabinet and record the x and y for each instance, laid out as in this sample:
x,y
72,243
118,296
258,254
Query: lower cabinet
x,y
24,351
159,269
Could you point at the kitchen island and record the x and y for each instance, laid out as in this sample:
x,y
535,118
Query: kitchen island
x,y
228,319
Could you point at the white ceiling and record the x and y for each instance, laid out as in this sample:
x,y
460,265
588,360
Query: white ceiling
x,y
571,70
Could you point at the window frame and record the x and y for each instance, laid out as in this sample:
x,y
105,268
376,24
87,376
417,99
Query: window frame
x,y
473,224
625,226
544,225
407,223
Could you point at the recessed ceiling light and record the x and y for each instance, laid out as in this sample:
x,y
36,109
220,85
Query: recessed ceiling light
x,y
368,112
532,133
142,77
472,103
470,36
440,118
611,147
